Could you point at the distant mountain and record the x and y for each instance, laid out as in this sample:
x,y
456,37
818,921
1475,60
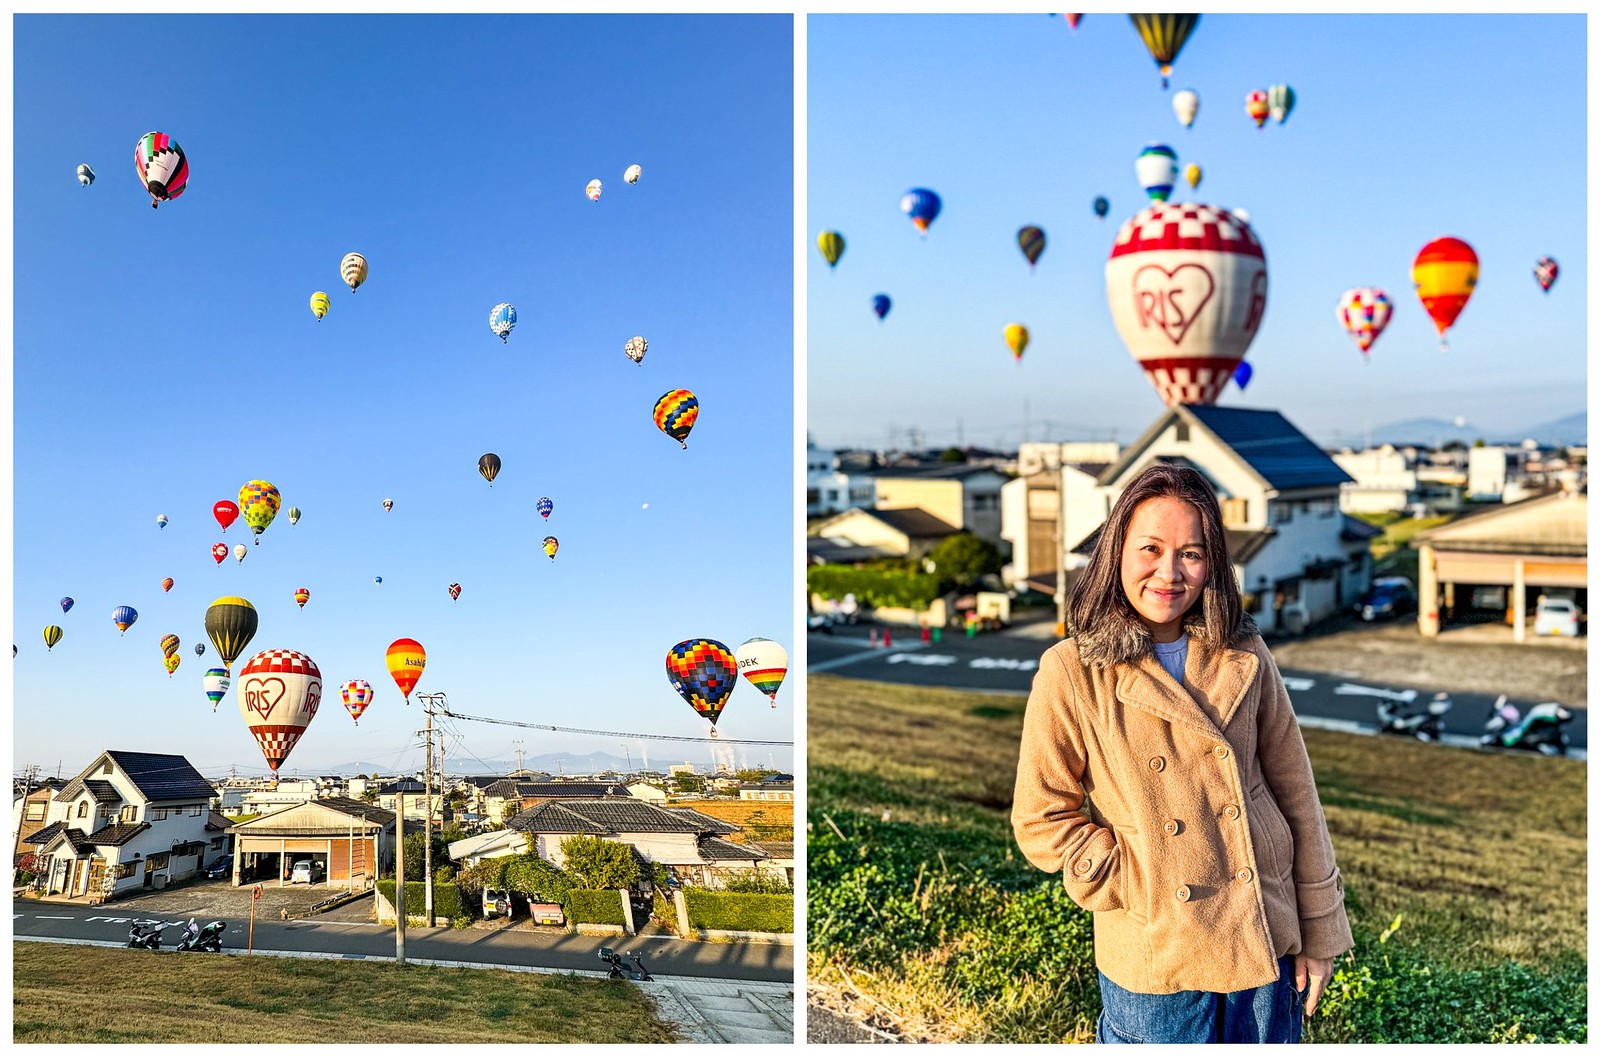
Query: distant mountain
x,y
1573,429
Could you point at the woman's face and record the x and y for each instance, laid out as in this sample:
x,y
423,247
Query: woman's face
x,y
1163,564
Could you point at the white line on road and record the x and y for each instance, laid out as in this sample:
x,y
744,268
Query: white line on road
x,y
856,658
55,917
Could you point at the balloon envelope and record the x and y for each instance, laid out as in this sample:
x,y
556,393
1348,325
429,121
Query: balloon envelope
x,y
831,243
632,174
166,585
226,512
703,672
593,190
1157,170
1363,312
676,413
219,551
162,166
199,649
922,206
1445,273
216,683
1164,35
320,304
1280,100
170,644
230,624
1255,104
239,551
258,502
161,520
279,691
502,320
353,270
1545,271
294,515
489,466
406,660
1017,339
85,175
1031,239
301,597
880,305
455,592
544,506
171,662
764,663
636,348
1192,174
551,545
357,695
66,604
1186,104
1101,206
1242,373
52,635
123,617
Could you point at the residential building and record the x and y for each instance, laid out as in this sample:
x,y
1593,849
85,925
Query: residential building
x,y
1382,480
649,792
350,840
30,812
829,489
963,496
417,804
772,787
1030,505
861,535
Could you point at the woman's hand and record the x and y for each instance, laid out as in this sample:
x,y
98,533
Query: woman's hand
x,y
1311,976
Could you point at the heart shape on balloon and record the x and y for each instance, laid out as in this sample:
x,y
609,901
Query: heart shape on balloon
x,y
1171,299
259,695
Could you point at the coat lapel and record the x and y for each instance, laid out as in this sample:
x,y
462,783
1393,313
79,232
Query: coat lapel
x,y
1216,680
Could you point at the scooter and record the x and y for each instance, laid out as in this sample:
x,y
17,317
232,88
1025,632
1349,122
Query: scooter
x,y
1539,731
208,939
145,933
620,968
1395,717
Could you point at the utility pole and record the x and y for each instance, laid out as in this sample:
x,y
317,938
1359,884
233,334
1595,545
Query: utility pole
x,y
22,814
518,744
400,878
428,703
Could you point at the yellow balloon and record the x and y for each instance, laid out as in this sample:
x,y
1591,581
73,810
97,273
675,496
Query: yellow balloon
x,y
831,243
319,304
1192,174
1017,338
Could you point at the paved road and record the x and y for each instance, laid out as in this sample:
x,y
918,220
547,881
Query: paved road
x,y
1005,663
667,957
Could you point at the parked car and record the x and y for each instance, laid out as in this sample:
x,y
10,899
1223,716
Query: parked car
x,y
1389,596
221,868
1556,616
307,870
496,903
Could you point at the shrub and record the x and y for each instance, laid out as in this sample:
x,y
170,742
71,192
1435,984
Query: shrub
x,y
594,906
447,901
444,874
664,910
874,587
595,862
756,881
539,881
739,911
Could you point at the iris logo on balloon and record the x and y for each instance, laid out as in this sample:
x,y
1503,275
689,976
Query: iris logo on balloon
x,y
1161,297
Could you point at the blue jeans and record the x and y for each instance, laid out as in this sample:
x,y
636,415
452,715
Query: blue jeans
x,y
1259,1014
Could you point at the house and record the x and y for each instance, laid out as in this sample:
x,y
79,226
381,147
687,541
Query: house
x,y
964,496
1382,480
470,851
1030,505
830,490
519,794
649,792
128,821
691,845
772,787
417,803
30,810
861,535
352,842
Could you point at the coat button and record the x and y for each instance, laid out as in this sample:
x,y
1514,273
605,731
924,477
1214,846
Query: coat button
x,y
1157,763
1230,812
1220,752
1084,865
1171,826
1182,893
1244,875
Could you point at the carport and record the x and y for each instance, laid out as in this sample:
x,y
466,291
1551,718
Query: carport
x,y
353,841
1526,546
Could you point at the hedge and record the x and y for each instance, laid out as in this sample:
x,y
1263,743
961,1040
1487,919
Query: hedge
x,y
738,911
447,901
900,588
594,906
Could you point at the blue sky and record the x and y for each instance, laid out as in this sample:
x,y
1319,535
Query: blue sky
x,y
165,357
1405,129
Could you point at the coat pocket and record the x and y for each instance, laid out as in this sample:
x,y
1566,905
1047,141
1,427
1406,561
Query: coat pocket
x,y
1273,840
1093,876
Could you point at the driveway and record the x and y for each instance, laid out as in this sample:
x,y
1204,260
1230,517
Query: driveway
x,y
219,899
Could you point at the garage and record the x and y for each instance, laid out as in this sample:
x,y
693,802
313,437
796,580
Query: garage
x,y
348,843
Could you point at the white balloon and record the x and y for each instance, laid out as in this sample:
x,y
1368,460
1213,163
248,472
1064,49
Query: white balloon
x,y
279,691
633,174
1186,104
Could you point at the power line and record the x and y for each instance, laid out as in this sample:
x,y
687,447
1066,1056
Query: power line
x,y
606,733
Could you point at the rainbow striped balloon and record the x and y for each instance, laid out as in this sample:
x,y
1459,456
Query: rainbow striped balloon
x,y
676,413
764,663
357,694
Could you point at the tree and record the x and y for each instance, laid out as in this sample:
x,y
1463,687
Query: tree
x,y
594,862
452,833
952,455
688,783
369,795
414,849
961,559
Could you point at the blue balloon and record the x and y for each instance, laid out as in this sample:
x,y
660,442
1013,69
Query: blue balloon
x,y
377,579
66,603
544,506
1242,373
502,319
880,304
1101,206
922,206
124,616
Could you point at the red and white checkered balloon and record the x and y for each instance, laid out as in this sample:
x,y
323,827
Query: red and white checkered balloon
x,y
279,691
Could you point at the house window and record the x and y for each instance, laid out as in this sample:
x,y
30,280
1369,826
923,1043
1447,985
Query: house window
x,y
36,811
105,811
985,502
107,768
1280,513
216,843
1180,432
1235,511
194,812
158,862
158,814
83,812
130,813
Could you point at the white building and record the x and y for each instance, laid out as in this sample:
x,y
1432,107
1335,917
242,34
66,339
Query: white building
x,y
830,490
1028,510
1383,480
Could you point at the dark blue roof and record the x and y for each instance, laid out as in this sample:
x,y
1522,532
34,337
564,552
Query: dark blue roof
x,y
161,776
1283,456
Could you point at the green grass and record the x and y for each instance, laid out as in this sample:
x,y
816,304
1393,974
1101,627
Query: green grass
x,y
921,908
146,996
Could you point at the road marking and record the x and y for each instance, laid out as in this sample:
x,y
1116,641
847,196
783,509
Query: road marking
x,y
932,660
1371,691
1297,683
856,658
56,917
1008,663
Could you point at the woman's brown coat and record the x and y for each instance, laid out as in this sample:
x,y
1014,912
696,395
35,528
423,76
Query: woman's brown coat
x,y
1186,817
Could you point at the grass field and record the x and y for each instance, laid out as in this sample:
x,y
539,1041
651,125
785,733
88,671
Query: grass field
x,y
66,993
922,914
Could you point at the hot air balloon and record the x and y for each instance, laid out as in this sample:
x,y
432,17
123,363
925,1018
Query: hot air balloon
x,y
1545,271
1187,286
199,649
1031,239
258,501
703,673
66,604
455,591
320,304
1445,273
1101,206
52,635
636,348
239,551
1157,170
301,597
161,521
593,190
544,506
1364,311
1192,174
1017,338
166,584
922,206
294,515
831,243
357,694
764,663
170,644
230,624
123,617
1242,373
676,413
880,305
226,512
85,175
1186,104
219,551
216,682
1280,100
171,662
279,691
1164,35
1255,104
162,167
502,320
388,505
377,579
551,544
406,659
1073,20
489,466
353,270
632,173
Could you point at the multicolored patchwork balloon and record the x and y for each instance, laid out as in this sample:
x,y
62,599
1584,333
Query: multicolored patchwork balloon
x,y
544,507
676,413
551,545
279,691
123,617
357,694
216,683
406,660
1545,270
1364,311
259,502
703,672
162,166
764,663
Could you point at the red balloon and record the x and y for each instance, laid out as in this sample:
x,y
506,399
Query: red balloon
x,y
226,512
219,551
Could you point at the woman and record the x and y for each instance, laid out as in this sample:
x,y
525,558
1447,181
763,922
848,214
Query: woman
x,y
1162,772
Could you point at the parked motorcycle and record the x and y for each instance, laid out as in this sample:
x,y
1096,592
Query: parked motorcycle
x,y
1539,731
620,968
1397,715
207,939
146,933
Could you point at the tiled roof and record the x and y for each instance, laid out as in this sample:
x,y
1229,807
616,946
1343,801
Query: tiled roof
x,y
704,822
404,785
118,833
713,849
357,808
553,817
217,821
1283,456
569,789
914,522
102,790
163,776
606,818
941,471
44,835
1356,530
776,849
